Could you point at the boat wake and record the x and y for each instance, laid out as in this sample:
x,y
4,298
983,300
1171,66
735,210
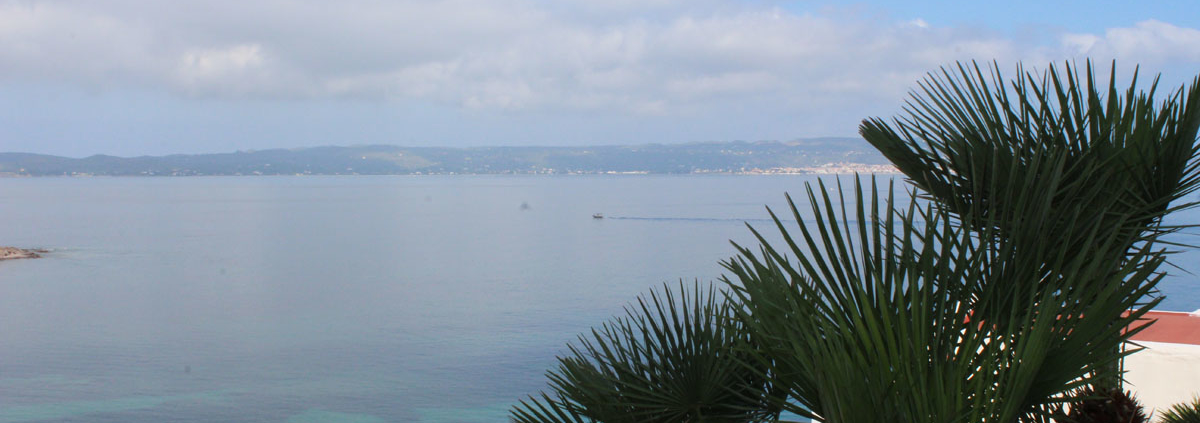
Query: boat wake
x,y
691,219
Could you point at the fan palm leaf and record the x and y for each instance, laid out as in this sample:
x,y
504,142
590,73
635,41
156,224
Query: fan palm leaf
x,y
1039,157
675,356
867,315
965,134
1187,412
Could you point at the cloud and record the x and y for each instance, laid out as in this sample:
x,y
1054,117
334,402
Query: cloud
x,y
54,41
662,57
1147,42
237,69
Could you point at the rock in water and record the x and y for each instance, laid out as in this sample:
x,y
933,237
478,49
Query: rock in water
x,y
7,253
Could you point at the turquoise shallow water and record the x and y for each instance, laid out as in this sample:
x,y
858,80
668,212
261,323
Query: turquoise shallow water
x,y
341,299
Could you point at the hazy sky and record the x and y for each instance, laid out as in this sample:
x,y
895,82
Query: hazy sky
x,y
140,77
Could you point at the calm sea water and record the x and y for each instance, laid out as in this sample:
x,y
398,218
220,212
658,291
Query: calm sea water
x,y
342,299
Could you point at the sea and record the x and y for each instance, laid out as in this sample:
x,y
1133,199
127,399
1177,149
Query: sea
x,y
349,299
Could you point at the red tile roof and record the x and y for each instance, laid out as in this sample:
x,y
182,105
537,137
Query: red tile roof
x,y
1173,327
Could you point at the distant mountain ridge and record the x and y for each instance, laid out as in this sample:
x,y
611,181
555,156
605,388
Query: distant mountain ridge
x,y
708,157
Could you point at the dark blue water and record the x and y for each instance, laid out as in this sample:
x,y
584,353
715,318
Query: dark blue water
x,y
341,299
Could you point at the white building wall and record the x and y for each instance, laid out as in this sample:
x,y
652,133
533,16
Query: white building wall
x,y
1163,374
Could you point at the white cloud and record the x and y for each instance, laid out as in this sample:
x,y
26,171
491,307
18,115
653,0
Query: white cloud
x,y
1150,42
1079,44
52,40
220,67
732,82
635,57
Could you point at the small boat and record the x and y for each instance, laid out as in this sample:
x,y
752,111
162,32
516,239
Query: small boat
x,y
597,215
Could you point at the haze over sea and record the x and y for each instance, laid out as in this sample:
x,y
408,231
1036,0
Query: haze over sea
x,y
345,299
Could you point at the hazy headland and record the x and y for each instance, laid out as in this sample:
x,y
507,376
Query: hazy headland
x,y
817,155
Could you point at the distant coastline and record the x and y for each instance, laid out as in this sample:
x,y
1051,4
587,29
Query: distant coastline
x,y
808,156
826,169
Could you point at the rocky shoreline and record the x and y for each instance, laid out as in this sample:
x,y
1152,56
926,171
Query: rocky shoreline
x,y
9,253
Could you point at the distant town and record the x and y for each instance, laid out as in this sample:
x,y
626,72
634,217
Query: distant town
x,y
804,156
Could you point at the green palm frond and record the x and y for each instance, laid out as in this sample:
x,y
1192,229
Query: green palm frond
x,y
869,314
1187,412
1040,159
966,133
547,409
676,356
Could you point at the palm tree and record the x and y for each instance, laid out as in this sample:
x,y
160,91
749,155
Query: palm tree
x,y
982,150
676,356
869,314
1186,412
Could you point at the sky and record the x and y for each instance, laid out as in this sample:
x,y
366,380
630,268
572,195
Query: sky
x,y
129,78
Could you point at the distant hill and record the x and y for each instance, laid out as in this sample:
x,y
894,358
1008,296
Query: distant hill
x,y
715,157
